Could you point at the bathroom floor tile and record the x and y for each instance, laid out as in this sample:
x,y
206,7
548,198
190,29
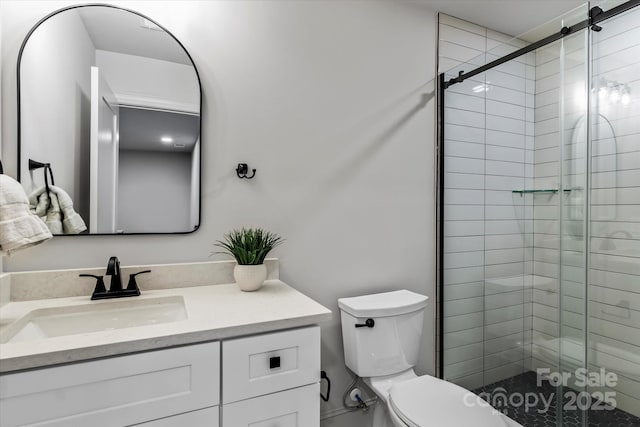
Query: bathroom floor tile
x,y
531,405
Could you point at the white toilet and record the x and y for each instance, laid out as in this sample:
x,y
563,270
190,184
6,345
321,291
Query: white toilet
x,y
381,336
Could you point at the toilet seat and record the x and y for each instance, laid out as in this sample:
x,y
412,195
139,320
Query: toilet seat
x,y
429,401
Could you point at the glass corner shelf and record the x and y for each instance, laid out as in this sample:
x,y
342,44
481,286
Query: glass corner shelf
x,y
540,190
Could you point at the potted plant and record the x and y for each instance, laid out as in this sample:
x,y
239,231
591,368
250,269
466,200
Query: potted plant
x,y
249,247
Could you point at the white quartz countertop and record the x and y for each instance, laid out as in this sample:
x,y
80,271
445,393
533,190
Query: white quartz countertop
x,y
213,312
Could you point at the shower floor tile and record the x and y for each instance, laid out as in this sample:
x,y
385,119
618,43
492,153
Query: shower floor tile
x,y
540,411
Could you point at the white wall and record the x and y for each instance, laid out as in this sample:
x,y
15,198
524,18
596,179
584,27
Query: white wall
x,y
333,104
151,191
55,79
140,81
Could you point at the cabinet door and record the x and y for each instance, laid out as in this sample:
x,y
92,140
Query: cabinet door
x,y
113,392
299,407
203,418
268,363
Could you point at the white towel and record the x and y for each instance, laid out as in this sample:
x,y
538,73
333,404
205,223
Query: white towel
x,y
56,211
19,228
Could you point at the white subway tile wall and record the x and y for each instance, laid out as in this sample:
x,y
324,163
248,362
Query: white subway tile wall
x,y
513,260
488,229
558,272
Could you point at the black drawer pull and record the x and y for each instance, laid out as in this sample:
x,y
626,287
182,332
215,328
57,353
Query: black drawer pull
x,y
274,362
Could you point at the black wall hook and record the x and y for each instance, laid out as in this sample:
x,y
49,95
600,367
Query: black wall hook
x,y
37,165
242,171
33,165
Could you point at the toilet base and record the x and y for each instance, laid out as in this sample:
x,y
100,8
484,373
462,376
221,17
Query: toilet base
x,y
382,416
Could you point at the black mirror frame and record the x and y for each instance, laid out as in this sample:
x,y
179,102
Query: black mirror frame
x,y
19,112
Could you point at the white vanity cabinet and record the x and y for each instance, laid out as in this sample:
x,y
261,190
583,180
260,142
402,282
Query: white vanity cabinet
x,y
207,417
118,391
299,407
271,379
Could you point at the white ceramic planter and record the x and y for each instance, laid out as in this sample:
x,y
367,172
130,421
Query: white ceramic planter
x,y
250,277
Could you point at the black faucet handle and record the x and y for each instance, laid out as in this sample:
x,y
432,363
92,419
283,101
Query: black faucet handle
x,y
133,285
100,288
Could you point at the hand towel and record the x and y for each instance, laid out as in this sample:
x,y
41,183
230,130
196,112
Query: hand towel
x,y
48,209
56,209
19,228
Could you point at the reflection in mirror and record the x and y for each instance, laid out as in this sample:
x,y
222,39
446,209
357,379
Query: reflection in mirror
x,y
112,102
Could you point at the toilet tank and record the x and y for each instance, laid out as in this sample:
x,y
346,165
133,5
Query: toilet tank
x,y
392,344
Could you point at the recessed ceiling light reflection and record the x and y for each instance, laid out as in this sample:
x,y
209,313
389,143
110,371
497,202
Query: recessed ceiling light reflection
x,y
166,139
484,87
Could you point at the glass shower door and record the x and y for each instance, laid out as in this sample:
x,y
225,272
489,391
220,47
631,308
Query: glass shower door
x,y
572,396
614,264
541,242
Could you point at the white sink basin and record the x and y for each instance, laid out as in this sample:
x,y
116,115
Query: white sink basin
x,y
94,317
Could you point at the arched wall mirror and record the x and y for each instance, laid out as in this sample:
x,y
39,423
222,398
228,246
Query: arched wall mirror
x,y
112,102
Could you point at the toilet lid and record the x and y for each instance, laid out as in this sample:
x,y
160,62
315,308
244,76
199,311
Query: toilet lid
x,y
429,401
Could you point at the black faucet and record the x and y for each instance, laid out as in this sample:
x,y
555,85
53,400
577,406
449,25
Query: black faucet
x,y
113,270
115,287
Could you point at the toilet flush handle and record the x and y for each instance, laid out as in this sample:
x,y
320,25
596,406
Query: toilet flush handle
x,y
369,323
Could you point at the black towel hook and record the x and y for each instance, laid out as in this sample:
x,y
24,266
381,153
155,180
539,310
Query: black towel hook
x,y
242,171
33,164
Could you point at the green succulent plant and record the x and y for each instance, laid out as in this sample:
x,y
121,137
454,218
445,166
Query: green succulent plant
x,y
249,246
